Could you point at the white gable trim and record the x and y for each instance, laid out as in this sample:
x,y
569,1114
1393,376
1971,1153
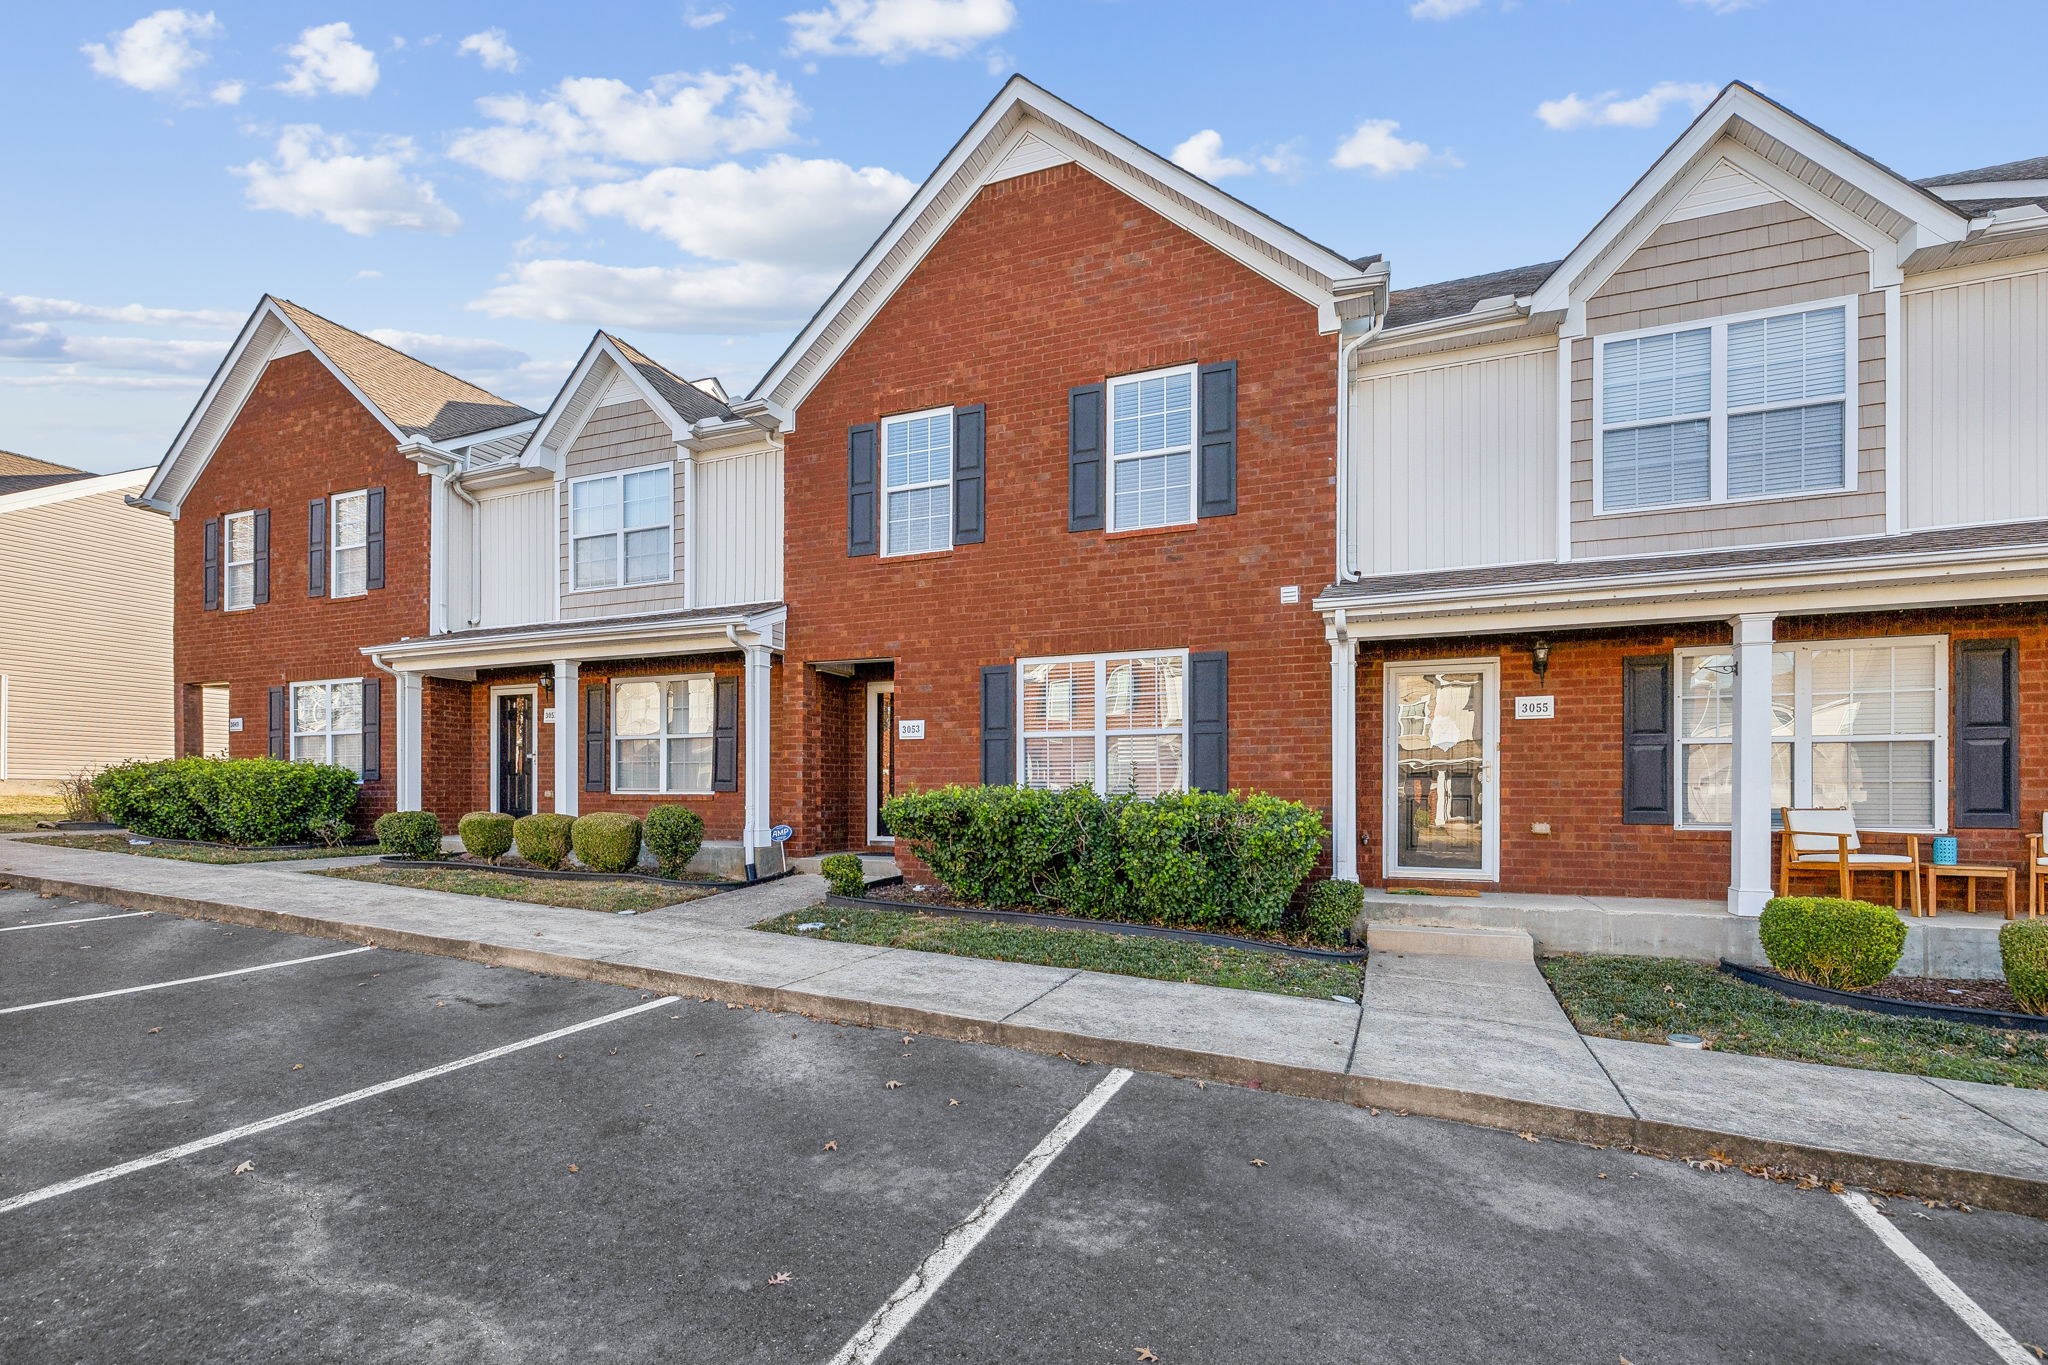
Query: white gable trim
x,y
603,368
71,489
1723,189
1026,153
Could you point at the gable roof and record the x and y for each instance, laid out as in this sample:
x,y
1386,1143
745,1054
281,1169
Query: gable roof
x,y
21,472
1455,298
607,359
688,401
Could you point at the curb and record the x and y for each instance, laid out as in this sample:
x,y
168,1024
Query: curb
x,y
1981,1189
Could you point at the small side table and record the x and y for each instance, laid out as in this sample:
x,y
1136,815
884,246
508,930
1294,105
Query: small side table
x,y
1972,873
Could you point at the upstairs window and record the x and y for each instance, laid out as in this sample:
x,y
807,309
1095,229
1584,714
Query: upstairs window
x,y
1116,722
239,562
327,723
1151,449
1739,408
662,735
917,482
620,528
348,538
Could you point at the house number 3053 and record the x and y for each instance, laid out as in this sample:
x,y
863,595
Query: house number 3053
x,y
910,729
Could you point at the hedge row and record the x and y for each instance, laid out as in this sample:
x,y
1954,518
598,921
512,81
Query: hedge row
x,y
226,800
604,841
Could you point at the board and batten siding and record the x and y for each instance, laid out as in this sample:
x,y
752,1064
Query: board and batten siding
x,y
622,435
518,584
738,551
1453,459
1697,269
1974,430
85,636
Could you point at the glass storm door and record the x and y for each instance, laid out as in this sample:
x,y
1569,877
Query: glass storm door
x,y
515,750
1441,804
881,757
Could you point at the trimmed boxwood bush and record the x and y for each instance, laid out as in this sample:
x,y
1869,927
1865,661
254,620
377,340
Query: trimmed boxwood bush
x,y
844,875
409,833
226,800
673,834
486,834
2023,948
1848,945
1332,907
543,839
606,841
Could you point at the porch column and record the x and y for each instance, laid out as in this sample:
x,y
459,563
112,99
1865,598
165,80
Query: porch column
x,y
1749,822
408,742
1343,750
568,734
755,733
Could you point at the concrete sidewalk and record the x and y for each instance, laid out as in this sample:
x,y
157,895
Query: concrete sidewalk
x,y
1456,1024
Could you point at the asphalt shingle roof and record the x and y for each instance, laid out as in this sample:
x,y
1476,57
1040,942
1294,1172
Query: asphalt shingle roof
x,y
417,398
1449,298
690,402
2031,168
19,473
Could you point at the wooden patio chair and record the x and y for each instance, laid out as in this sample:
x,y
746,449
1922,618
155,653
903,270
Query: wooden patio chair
x,y
1825,842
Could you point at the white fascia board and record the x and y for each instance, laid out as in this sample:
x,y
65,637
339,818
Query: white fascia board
x,y
554,640
73,488
491,434
1992,189
551,437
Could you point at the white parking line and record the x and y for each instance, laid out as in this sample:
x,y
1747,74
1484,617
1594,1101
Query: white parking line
x,y
143,1163
1945,1289
959,1243
185,980
90,919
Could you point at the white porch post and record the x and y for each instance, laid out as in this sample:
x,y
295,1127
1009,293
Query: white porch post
x,y
1749,822
1343,750
408,741
568,734
755,728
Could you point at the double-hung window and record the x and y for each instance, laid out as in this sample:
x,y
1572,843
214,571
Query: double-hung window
x,y
620,528
917,482
327,723
662,735
239,563
348,538
1115,722
1855,724
1737,408
1152,449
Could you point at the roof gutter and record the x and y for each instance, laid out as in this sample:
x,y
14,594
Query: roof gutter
x,y
157,505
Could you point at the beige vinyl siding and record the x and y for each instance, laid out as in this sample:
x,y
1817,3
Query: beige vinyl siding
x,y
213,721
1453,460
518,584
1762,257
1974,430
85,635
621,436
739,506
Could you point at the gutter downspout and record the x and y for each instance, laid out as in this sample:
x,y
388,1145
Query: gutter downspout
x,y
476,546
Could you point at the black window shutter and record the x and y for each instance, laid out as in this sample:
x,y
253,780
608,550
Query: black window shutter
x,y
999,725
597,737
1987,734
373,539
725,736
863,491
209,538
1086,456
262,569
373,730
280,704
1646,740
1209,722
316,548
1216,462
970,431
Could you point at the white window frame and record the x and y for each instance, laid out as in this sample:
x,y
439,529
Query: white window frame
x,y
663,736
335,547
228,563
883,484
618,537
1491,800
1102,732
1111,459
293,733
1718,411
1803,739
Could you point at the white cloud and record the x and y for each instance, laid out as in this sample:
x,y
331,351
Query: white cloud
x,y
588,121
368,275
328,61
493,49
708,300
157,51
1375,145
228,92
696,18
67,377
1723,6
1611,110
1203,155
45,341
32,308
896,29
321,175
459,355
1441,9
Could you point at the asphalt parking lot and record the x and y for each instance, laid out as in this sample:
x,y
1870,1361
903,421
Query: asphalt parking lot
x,y
688,1181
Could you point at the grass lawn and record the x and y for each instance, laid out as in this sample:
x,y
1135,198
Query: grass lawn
x,y
610,897
1648,998
186,853
1162,959
18,813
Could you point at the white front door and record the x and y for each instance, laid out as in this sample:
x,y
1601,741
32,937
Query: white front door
x,y
881,757
1442,802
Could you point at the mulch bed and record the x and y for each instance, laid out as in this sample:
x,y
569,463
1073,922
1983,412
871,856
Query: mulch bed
x,y
1942,990
519,867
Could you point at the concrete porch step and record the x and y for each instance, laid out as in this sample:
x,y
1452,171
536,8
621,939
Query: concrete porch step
x,y
1398,936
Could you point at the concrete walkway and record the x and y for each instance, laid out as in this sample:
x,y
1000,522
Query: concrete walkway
x,y
1456,1023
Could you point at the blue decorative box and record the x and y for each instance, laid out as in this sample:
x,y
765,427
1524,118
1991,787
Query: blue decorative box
x,y
1945,850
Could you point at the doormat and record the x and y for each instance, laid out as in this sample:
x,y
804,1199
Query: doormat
x,y
1429,891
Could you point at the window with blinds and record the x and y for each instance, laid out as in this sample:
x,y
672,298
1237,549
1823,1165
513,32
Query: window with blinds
x,y
917,482
1116,722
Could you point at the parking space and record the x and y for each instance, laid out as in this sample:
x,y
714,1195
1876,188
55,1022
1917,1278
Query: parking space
x,y
61,961
697,1181
28,909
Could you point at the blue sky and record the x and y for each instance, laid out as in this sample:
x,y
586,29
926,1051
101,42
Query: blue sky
x,y
485,184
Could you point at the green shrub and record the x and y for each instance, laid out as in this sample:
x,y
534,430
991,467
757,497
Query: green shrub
x,y
1207,858
332,833
1848,945
673,834
2023,948
486,834
543,839
230,800
409,834
606,841
844,875
1333,907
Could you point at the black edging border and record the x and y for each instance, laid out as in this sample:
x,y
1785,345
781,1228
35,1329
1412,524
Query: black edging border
x,y
571,874
362,845
1883,1004
1109,926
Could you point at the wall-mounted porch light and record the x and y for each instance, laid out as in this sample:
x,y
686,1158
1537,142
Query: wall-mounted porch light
x,y
1539,656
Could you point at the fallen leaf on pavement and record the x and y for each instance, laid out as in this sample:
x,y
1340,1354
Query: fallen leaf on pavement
x,y
1256,1161
952,1104
1144,1353
1528,1137
245,1168
892,1085
1601,1176
298,1066
440,1004
735,1007
831,1147
573,1168
907,1039
156,1030
779,1277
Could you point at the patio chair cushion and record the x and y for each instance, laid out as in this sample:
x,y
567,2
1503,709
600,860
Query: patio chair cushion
x,y
1857,860
1815,831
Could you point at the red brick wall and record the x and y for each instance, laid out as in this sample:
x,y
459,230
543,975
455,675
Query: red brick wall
x,y
1048,281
